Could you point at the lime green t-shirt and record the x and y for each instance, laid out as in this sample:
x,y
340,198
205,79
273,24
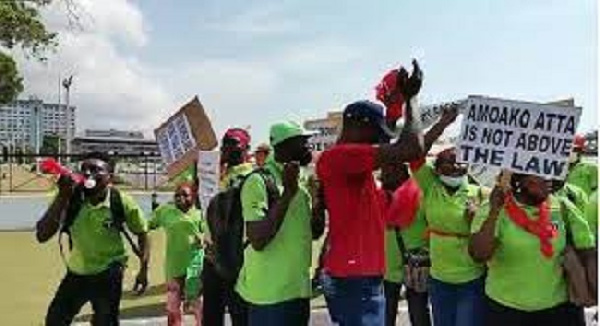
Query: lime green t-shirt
x,y
234,173
591,213
575,194
585,176
181,230
97,243
415,235
394,262
445,212
519,276
281,271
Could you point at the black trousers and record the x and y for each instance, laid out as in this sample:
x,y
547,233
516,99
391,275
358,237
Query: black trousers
x,y
219,294
418,305
102,290
563,315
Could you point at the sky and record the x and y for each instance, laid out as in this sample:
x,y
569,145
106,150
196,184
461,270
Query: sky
x,y
253,63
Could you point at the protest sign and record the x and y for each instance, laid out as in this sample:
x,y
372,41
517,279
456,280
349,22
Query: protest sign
x,y
431,113
484,175
208,176
182,135
326,131
522,137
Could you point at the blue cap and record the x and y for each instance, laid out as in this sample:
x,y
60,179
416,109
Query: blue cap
x,y
371,113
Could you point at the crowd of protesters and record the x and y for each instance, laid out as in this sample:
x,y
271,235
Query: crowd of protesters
x,y
394,219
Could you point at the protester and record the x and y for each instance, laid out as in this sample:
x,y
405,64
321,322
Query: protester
x,y
449,201
275,277
355,255
582,174
219,291
402,199
93,214
183,225
521,235
260,155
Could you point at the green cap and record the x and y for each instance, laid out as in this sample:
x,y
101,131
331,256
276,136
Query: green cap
x,y
285,130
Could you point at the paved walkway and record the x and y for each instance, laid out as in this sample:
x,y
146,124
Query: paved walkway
x,y
319,317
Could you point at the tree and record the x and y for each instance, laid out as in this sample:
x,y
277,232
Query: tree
x,y
21,26
50,145
11,84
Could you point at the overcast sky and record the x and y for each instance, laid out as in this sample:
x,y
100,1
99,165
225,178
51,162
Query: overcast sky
x,y
256,62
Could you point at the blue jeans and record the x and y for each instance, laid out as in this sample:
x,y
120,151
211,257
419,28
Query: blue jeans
x,y
457,304
294,313
355,301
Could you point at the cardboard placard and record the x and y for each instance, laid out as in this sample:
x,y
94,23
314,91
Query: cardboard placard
x,y
521,137
183,135
208,176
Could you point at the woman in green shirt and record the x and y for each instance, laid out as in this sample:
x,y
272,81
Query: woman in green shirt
x,y
521,235
183,225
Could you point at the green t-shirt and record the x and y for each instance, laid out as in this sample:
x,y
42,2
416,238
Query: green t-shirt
x,y
234,174
591,213
444,212
585,176
281,271
415,235
181,230
519,276
394,262
575,194
97,243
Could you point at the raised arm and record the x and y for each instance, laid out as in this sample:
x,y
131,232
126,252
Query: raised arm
x,y
49,224
448,117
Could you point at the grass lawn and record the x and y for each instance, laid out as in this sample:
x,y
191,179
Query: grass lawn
x,y
31,272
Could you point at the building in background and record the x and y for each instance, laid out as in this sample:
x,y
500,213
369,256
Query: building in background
x,y
115,141
25,123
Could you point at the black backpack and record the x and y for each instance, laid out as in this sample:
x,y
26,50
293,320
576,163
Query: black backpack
x,y
226,224
117,214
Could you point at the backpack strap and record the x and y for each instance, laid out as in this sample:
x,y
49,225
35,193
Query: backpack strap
x,y
71,212
117,210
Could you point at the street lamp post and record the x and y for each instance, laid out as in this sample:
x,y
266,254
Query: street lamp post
x,y
67,82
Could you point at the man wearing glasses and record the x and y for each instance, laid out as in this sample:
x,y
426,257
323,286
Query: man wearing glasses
x,y
94,215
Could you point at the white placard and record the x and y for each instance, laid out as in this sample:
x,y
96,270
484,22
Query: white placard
x,y
208,176
432,112
519,136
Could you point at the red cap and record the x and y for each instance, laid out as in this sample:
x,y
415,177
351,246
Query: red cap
x,y
387,93
579,141
239,134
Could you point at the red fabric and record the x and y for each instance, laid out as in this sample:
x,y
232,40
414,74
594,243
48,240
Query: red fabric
x,y
542,227
579,141
404,205
416,165
387,92
356,218
50,166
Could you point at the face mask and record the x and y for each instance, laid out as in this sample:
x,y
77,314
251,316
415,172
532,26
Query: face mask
x,y
89,183
452,182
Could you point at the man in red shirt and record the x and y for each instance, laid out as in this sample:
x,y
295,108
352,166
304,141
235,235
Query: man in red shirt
x,y
355,255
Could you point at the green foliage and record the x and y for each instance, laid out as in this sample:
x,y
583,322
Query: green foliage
x,y
11,84
21,26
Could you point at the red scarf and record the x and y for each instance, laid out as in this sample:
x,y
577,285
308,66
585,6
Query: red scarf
x,y
542,227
